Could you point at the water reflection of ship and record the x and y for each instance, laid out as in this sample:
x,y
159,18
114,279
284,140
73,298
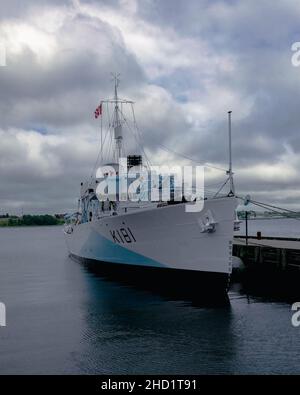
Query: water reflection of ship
x,y
168,287
137,330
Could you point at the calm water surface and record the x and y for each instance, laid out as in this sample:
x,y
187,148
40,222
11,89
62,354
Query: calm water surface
x,y
62,318
279,227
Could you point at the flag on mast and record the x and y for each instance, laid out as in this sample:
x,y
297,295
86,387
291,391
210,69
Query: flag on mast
x,y
98,111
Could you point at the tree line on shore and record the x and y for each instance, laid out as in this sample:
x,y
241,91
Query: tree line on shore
x,y
31,220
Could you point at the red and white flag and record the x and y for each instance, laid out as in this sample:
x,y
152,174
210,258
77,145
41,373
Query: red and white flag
x,y
98,111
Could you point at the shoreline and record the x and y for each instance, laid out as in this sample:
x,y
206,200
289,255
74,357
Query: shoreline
x,y
29,226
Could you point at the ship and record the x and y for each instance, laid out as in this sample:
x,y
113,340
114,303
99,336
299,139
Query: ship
x,y
159,239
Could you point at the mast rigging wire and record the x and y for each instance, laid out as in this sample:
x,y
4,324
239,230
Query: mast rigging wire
x,y
274,209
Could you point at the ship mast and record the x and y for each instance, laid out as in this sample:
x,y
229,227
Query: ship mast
x,y
230,172
116,120
117,123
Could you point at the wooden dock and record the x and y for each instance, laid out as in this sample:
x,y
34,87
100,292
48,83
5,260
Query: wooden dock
x,y
271,266
281,252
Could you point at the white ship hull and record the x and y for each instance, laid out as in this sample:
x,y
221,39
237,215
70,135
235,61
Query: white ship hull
x,y
164,238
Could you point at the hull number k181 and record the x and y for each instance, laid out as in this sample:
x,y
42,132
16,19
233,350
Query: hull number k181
x,y
123,236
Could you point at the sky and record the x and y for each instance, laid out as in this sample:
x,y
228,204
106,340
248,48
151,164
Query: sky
x,y
184,62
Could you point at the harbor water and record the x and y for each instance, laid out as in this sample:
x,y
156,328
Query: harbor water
x,y
276,227
62,318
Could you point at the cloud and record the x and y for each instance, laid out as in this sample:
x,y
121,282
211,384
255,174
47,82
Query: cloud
x,y
184,63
